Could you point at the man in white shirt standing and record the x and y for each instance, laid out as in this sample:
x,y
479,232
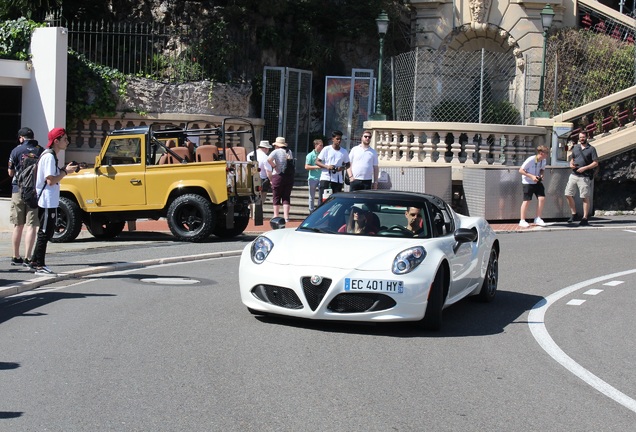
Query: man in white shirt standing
x,y
363,171
333,160
47,186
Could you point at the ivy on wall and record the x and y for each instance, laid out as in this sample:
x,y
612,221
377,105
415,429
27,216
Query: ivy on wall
x,y
15,38
91,89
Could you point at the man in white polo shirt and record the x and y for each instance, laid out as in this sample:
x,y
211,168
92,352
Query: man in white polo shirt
x,y
363,171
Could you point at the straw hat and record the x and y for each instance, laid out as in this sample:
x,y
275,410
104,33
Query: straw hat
x,y
280,142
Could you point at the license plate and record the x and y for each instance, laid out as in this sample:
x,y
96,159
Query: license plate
x,y
374,285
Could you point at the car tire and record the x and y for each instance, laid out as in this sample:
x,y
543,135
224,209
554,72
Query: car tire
x,y
101,229
433,316
69,221
191,218
491,278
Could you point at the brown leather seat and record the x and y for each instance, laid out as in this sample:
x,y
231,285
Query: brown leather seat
x,y
236,154
207,153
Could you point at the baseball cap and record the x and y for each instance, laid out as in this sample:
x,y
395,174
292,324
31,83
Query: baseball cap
x,y
54,134
26,132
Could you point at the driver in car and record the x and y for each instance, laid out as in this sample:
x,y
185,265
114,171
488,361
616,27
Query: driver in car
x,y
414,221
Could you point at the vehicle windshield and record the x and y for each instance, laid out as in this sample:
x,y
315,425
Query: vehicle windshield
x,y
369,217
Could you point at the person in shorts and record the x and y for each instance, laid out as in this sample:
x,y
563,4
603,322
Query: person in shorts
x,y
22,215
532,171
583,161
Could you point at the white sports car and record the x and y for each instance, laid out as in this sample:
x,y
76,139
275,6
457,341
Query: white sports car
x,y
374,256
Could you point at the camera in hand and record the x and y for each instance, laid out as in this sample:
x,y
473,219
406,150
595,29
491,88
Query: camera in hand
x,y
539,179
77,165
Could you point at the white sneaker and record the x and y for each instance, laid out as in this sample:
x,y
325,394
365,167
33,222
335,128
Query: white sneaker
x,y
539,221
523,223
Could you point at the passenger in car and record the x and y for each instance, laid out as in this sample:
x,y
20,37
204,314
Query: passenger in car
x,y
360,222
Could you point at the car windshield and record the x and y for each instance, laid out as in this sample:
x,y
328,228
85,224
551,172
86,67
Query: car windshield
x,y
369,217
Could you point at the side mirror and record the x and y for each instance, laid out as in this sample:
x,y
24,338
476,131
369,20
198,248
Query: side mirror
x,y
277,223
465,235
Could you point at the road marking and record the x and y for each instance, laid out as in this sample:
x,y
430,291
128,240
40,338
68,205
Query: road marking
x,y
536,323
575,302
631,231
613,283
593,291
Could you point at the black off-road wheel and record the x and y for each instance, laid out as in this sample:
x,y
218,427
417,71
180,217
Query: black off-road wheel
x,y
69,221
191,218
433,316
491,278
103,229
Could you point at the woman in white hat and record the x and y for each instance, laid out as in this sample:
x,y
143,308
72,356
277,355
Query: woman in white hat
x,y
283,170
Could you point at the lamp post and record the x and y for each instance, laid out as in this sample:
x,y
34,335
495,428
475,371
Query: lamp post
x,y
547,14
382,22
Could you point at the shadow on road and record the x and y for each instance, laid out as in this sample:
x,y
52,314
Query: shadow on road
x,y
22,306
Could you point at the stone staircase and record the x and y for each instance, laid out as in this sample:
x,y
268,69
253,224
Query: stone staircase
x,y
299,200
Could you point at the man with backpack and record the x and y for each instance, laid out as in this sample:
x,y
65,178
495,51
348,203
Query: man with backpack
x,y
21,214
47,186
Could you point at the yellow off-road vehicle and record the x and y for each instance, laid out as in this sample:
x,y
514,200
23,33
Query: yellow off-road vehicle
x,y
156,171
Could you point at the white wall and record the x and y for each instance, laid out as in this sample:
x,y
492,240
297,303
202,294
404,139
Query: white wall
x,y
44,95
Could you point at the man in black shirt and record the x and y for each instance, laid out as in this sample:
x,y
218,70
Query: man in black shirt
x,y
21,214
583,162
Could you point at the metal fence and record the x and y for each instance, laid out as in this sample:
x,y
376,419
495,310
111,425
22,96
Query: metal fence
x,y
586,64
164,52
455,86
286,106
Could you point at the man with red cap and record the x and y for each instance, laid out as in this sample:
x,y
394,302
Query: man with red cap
x,y
47,186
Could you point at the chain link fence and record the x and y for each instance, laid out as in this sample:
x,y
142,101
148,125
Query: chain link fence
x,y
455,86
586,64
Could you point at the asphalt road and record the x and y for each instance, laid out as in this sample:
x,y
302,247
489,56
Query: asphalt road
x,y
171,347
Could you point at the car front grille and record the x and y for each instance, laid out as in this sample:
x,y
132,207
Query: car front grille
x,y
360,302
315,293
279,296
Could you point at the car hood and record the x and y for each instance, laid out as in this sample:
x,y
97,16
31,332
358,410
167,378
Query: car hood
x,y
300,248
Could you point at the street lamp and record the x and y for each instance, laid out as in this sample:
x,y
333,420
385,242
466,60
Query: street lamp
x,y
383,24
547,14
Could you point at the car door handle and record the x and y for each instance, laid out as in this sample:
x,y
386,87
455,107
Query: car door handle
x,y
135,181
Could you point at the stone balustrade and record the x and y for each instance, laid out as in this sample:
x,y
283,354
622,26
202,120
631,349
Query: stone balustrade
x,y
437,143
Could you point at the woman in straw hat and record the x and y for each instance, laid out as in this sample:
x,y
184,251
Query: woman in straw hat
x,y
281,161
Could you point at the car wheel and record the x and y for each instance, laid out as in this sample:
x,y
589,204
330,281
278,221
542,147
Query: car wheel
x,y
102,229
69,221
433,316
191,218
489,287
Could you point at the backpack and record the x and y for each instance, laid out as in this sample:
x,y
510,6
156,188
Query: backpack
x,y
289,170
26,179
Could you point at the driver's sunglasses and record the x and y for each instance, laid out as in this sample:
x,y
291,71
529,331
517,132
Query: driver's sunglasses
x,y
366,136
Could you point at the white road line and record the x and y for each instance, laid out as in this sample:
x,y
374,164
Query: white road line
x,y
536,323
593,291
613,283
631,231
575,302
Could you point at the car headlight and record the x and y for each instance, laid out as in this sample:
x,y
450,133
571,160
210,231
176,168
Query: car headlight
x,y
408,259
261,247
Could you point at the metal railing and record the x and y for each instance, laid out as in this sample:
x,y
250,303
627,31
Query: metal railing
x,y
163,52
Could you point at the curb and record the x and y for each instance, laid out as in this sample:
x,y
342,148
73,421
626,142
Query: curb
x,y
78,274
